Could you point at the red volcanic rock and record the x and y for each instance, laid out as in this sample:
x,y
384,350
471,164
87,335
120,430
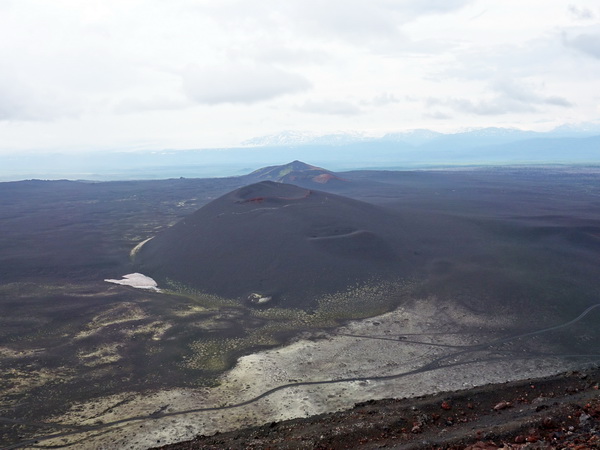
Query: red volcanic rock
x,y
324,178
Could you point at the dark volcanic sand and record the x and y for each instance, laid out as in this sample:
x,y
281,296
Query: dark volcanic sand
x,y
514,243
280,240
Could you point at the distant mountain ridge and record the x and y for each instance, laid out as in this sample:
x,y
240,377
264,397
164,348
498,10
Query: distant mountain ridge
x,y
415,149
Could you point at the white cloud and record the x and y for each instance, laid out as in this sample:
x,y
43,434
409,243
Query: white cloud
x,y
200,73
151,103
338,108
240,83
273,52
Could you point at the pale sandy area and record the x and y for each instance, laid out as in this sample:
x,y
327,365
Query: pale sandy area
x,y
407,341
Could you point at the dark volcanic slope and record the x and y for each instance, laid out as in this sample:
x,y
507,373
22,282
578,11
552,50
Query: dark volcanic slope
x,y
277,240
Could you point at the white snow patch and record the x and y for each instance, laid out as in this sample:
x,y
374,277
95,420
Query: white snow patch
x,y
137,280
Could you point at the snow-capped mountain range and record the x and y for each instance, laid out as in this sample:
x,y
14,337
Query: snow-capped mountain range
x,y
419,137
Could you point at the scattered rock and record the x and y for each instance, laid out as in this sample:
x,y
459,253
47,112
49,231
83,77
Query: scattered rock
x,y
548,423
532,438
502,405
482,446
584,419
417,428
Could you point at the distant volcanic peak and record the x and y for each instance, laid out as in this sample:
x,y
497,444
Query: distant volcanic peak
x,y
269,190
299,165
294,172
284,169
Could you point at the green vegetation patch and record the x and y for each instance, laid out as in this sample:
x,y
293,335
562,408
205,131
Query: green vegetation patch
x,y
277,325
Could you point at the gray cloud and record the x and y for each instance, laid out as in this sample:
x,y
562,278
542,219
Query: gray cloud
x,y
355,21
385,98
12,107
340,108
588,43
508,89
358,22
433,6
240,83
492,107
557,101
28,108
377,19
581,13
507,97
20,100
438,115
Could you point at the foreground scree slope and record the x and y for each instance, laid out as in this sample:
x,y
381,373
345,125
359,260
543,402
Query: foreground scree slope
x,y
280,241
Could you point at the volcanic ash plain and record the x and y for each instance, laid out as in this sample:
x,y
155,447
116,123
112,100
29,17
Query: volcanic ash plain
x,y
393,355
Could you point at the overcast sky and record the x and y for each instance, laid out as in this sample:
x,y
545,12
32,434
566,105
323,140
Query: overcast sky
x,y
133,74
